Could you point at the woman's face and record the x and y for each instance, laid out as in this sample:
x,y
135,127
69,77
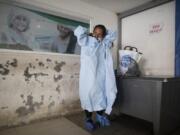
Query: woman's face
x,y
98,33
20,23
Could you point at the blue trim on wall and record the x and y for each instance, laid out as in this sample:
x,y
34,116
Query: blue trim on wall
x,y
177,47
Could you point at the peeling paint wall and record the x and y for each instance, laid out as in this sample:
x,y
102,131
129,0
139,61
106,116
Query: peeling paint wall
x,y
37,85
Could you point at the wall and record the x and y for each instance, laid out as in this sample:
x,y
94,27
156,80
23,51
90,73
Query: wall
x,y
153,33
36,85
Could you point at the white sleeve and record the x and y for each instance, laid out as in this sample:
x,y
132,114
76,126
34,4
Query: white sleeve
x,y
109,38
83,38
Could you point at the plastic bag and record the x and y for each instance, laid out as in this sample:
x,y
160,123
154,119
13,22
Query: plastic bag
x,y
129,59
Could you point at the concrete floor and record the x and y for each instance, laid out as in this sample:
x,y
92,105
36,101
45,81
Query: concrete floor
x,y
59,126
74,125
121,125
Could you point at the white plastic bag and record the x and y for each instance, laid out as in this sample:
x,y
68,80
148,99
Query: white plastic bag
x,y
126,56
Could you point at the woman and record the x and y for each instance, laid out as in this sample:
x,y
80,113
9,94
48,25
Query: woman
x,y
97,81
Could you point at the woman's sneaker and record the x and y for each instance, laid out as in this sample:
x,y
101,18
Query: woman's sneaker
x,y
102,120
89,125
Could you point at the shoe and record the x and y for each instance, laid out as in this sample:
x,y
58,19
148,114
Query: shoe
x,y
89,125
102,120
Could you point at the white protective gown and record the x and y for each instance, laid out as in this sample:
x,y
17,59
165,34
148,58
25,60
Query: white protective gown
x,y
97,81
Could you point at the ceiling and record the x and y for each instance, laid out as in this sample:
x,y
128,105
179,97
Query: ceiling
x,y
117,6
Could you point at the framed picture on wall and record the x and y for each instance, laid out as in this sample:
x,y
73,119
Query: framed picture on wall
x,y
27,29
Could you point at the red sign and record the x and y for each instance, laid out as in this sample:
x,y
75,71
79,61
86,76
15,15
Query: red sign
x,y
156,28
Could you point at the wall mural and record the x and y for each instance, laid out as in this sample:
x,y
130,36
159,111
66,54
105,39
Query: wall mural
x,y
26,29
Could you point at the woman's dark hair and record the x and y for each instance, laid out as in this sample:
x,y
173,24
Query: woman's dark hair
x,y
102,27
